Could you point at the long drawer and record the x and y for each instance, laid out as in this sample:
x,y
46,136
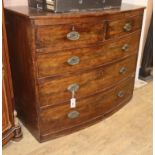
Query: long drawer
x,y
86,58
87,83
62,117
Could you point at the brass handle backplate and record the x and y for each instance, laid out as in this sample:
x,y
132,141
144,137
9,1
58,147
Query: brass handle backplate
x,y
73,35
123,70
73,60
121,94
125,47
73,114
127,27
73,87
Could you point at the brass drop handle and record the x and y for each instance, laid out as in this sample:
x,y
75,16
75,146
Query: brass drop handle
x,y
125,47
73,87
123,70
127,27
73,60
121,94
73,114
73,35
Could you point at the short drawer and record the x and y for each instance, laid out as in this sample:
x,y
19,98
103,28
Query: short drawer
x,y
121,27
58,90
74,35
63,117
86,58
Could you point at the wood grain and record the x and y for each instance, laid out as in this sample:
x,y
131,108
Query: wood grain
x,y
23,72
54,120
8,123
55,91
41,75
55,37
128,125
91,57
115,28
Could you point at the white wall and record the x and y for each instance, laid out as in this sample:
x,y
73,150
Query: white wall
x,y
137,2
15,2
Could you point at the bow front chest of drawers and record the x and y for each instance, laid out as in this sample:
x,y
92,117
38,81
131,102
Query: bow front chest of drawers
x,y
54,56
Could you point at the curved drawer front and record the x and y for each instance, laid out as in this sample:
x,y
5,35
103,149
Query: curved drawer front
x,y
86,58
63,117
90,82
69,36
122,27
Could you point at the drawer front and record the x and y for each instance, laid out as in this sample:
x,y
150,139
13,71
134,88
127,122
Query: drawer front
x,y
69,36
56,91
121,27
86,58
63,117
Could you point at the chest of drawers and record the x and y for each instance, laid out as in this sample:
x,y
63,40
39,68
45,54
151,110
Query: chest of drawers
x,y
92,54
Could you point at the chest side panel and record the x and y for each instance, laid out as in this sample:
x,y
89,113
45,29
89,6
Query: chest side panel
x,y
22,59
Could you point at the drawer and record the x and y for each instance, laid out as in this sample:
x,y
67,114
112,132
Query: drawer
x,y
87,83
121,27
63,117
86,58
74,35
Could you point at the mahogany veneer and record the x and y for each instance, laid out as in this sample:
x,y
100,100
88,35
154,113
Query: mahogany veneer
x,y
96,52
11,129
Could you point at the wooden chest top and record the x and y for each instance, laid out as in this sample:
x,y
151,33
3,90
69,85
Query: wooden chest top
x,y
38,14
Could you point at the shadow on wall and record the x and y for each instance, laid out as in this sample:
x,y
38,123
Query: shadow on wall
x,y
15,2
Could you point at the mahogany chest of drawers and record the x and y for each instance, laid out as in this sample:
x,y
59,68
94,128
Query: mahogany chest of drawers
x,y
55,56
